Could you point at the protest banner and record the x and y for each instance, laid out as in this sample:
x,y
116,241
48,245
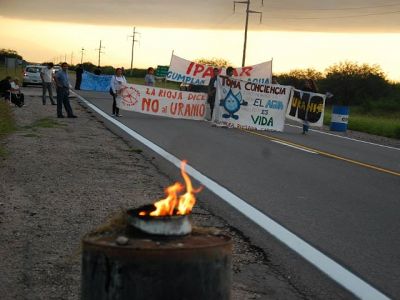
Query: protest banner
x,y
306,106
92,82
189,72
249,105
162,102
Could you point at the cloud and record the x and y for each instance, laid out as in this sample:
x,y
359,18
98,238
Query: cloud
x,y
288,15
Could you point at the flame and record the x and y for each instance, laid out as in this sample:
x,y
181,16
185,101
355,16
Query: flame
x,y
175,203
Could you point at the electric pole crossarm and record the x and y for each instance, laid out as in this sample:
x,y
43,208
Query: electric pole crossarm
x,y
248,11
240,2
256,12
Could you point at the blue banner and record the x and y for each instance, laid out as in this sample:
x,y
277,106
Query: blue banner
x,y
92,82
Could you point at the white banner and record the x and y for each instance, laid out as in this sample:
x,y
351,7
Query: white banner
x,y
182,70
250,105
307,106
162,102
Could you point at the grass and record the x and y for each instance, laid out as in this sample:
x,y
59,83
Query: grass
x,y
138,151
382,123
44,123
7,124
33,135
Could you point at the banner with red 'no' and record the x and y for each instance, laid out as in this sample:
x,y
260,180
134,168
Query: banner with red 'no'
x,y
162,102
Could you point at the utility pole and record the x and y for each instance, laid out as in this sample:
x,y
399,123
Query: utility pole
x,y
72,57
82,54
65,57
248,11
133,44
100,52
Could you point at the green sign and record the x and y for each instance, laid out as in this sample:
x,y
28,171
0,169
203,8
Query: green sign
x,y
162,71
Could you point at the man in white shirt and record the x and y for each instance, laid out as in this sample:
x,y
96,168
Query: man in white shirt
x,y
47,81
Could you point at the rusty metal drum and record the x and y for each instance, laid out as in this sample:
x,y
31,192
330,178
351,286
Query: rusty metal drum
x,y
191,267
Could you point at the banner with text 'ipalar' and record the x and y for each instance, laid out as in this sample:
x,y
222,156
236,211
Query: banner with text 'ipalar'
x,y
307,106
189,72
162,102
249,105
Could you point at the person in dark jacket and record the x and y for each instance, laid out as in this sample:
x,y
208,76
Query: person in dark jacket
x,y
79,72
5,88
62,82
212,89
309,86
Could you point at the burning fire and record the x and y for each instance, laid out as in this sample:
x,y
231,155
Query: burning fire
x,y
174,203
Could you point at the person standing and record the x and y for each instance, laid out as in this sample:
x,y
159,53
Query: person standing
x,y
212,89
47,82
229,71
116,81
79,72
149,79
62,82
309,86
274,80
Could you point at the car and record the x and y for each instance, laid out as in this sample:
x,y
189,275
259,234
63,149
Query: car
x,y
56,69
193,88
32,75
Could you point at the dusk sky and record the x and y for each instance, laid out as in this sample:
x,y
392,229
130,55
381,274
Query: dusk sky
x,y
295,34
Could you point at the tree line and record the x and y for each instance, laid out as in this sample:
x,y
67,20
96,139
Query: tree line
x,y
351,83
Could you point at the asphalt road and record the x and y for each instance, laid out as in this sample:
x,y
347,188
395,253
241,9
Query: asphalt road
x,y
340,195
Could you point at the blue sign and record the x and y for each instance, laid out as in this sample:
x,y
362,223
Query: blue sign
x,y
92,82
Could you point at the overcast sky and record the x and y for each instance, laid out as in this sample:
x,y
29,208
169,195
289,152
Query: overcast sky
x,y
289,15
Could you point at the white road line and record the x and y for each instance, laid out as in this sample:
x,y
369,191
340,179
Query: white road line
x,y
345,278
295,147
346,138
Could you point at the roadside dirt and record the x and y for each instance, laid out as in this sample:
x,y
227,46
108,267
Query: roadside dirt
x,y
64,177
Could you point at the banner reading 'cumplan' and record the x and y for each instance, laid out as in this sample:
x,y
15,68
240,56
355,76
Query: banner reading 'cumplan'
x,y
182,70
250,105
162,102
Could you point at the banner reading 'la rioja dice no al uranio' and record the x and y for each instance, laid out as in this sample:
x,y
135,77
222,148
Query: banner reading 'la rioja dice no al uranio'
x,y
162,102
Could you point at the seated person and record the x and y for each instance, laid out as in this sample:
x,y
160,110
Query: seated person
x,y
5,88
17,97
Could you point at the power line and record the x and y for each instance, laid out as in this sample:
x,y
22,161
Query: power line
x,y
332,9
334,17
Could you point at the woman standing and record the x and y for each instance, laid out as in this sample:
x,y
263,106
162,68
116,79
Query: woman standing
x,y
309,86
116,81
149,78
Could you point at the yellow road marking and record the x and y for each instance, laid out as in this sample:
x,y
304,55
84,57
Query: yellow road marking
x,y
324,153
